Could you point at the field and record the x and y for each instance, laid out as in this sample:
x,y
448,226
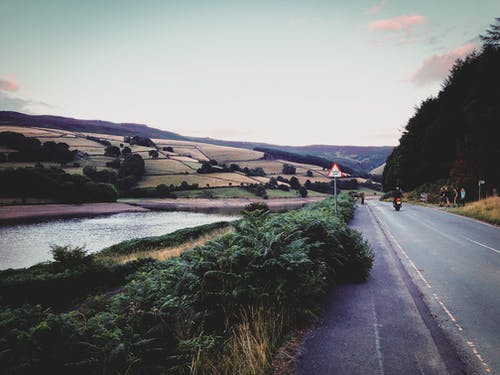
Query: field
x,y
222,154
29,132
172,168
165,166
229,192
203,180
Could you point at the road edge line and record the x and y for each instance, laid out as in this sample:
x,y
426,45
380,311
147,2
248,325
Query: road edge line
x,y
448,349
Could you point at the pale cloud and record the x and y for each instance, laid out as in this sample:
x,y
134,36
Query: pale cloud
x,y
9,103
8,85
437,67
377,7
398,24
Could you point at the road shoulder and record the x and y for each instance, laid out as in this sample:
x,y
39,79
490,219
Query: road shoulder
x,y
379,327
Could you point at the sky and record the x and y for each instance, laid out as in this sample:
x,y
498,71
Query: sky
x,y
289,72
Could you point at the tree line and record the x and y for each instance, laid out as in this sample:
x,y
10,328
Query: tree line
x,y
31,149
454,135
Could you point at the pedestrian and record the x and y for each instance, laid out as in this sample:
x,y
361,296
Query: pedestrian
x,y
362,198
455,197
462,197
441,196
447,196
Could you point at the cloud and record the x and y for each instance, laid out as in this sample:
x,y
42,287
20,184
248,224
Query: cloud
x,y
437,67
398,24
377,7
9,103
8,85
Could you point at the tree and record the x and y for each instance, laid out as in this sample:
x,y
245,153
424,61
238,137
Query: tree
x,y
153,153
133,165
303,191
492,36
273,183
162,190
288,169
115,164
126,150
112,151
454,134
309,173
294,183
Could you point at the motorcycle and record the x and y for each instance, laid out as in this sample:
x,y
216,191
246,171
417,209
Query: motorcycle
x,y
397,203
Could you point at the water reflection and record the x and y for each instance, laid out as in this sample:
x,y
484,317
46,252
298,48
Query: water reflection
x,y
23,245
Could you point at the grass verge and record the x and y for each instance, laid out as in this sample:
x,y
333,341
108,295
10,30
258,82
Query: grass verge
x,y
169,252
487,210
154,243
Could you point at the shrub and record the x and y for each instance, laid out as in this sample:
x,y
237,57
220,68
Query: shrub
x,y
256,206
69,257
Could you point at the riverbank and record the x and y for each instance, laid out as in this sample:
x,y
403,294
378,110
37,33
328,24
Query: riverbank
x,y
26,213
223,206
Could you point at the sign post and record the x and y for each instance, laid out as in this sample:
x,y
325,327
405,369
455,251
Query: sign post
x,y
335,172
481,182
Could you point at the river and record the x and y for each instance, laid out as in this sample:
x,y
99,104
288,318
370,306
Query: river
x,y
23,245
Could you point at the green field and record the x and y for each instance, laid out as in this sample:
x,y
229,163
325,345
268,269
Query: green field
x,y
233,192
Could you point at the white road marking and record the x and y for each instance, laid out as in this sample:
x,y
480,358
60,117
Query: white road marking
x,y
471,344
389,233
378,347
483,245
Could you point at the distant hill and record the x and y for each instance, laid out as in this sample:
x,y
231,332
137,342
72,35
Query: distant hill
x,y
361,159
87,126
378,171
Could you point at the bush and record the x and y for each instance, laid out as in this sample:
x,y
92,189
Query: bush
x,y
64,282
256,206
69,257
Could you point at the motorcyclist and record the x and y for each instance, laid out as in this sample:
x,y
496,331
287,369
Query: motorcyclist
x,y
397,194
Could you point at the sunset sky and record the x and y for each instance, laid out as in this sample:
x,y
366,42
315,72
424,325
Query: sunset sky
x,y
294,72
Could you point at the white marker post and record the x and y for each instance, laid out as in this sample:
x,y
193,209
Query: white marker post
x,y
335,172
481,182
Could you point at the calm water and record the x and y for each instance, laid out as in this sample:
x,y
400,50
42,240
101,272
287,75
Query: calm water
x,y
24,245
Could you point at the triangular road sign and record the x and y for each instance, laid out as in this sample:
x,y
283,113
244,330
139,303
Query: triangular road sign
x,y
335,171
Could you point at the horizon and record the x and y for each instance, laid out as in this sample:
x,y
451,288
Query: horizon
x,y
209,138
282,72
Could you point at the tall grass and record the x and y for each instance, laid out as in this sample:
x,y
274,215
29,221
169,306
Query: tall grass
x,y
169,252
486,209
250,346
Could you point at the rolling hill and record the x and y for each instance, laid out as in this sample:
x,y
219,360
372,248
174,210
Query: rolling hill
x,y
359,159
86,126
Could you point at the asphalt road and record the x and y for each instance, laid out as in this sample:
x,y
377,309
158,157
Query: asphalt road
x,y
431,305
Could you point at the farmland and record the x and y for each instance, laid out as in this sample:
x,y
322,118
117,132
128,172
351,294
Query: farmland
x,y
172,163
